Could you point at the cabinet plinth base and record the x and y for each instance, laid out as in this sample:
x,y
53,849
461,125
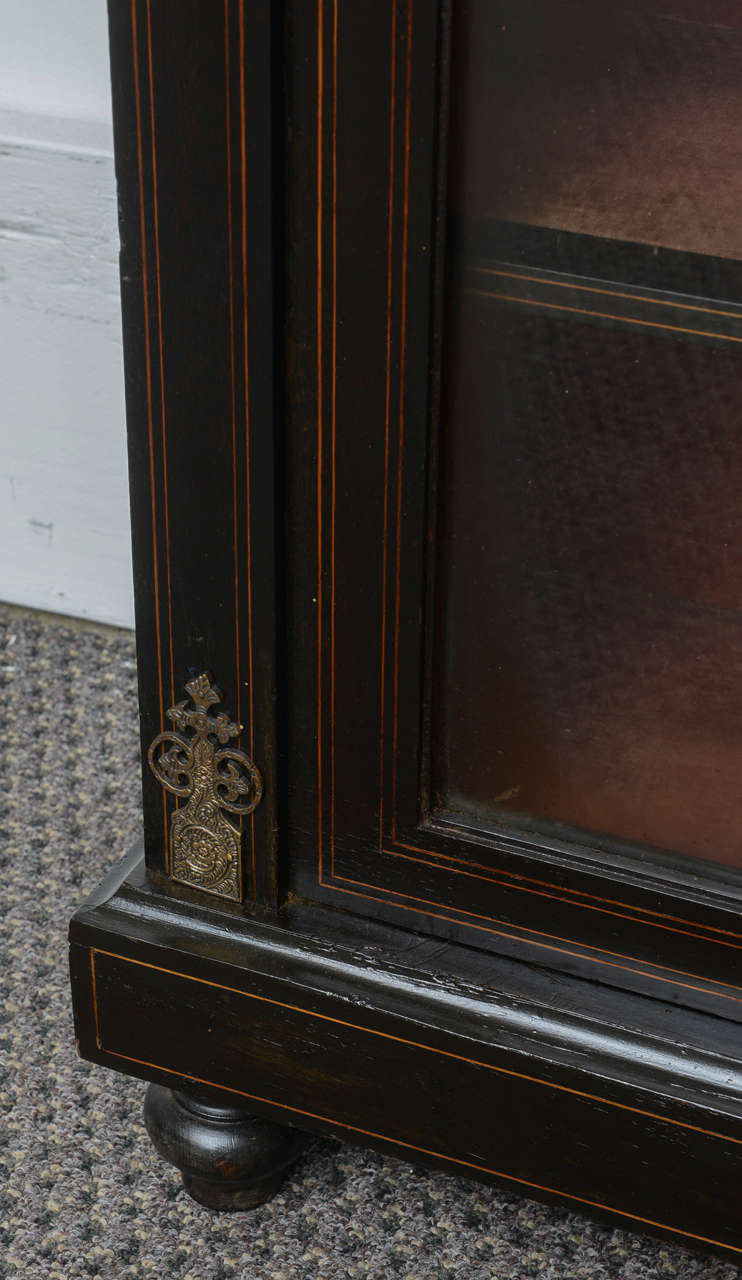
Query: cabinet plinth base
x,y
467,1062
229,1159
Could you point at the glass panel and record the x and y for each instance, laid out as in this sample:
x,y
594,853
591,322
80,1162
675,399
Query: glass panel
x,y
616,118
589,647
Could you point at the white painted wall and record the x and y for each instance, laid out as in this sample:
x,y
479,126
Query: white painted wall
x,y
54,58
64,518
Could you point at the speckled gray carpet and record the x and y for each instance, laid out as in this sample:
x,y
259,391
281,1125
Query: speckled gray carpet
x,y
83,1192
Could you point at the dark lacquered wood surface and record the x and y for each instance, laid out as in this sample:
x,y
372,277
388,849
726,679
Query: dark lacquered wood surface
x,y
368,566
438,1054
197,296
308,393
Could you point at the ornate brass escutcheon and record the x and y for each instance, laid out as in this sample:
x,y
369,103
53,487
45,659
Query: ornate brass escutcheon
x,y
205,845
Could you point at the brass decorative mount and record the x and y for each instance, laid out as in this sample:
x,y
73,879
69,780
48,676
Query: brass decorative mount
x,y
205,846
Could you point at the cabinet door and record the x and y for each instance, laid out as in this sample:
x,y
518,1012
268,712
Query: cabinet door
x,y
513,549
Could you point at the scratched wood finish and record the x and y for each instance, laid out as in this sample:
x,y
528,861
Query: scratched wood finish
x,y
499,1073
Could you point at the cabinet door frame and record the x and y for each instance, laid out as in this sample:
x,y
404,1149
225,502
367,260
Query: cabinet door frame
x,y
366,250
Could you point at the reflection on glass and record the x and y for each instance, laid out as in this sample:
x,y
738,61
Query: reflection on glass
x,y
590,523
617,119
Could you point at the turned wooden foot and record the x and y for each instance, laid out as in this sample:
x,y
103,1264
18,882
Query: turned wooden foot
x,y
229,1159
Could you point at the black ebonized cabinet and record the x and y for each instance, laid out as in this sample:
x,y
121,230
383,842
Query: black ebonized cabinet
x,y
432,321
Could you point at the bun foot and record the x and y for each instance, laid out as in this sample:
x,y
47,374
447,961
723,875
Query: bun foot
x,y
229,1159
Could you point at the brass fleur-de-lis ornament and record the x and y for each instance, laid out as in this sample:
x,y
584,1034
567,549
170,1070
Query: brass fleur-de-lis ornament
x,y
204,844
